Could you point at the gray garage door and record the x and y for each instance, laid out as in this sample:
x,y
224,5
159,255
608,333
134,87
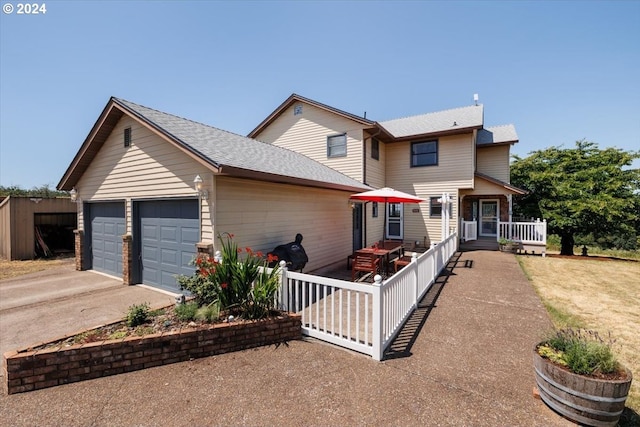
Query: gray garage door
x,y
107,227
169,231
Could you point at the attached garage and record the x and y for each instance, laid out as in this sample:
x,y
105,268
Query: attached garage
x,y
165,237
106,228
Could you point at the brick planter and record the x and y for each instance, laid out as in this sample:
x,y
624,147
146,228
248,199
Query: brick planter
x,y
33,370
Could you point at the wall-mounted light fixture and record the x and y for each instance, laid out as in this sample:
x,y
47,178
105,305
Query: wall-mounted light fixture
x,y
73,194
352,205
199,185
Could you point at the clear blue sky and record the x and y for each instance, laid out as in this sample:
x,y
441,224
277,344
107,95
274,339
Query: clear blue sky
x,y
559,71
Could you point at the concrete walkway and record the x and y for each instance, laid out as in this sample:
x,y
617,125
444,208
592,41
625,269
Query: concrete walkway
x,y
463,359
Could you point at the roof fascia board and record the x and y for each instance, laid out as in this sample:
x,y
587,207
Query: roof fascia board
x,y
282,179
503,184
89,141
494,144
297,98
436,134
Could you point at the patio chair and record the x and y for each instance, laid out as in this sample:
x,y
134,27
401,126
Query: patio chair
x,y
401,262
365,263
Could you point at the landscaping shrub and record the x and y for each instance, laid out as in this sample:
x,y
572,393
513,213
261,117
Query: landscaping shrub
x,y
186,311
583,352
234,283
137,314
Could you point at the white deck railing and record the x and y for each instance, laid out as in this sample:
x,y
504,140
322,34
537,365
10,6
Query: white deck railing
x,y
531,233
364,317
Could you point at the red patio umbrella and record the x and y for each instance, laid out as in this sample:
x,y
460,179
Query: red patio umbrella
x,y
386,195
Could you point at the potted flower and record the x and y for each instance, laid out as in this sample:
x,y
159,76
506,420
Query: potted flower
x,y
578,376
507,245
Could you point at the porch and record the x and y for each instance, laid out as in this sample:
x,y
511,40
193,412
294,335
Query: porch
x,y
364,317
529,236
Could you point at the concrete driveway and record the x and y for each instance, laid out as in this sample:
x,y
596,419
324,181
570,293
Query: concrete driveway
x,y
42,306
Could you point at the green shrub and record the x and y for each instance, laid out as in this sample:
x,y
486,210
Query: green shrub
x,y
186,312
583,352
137,314
208,313
237,282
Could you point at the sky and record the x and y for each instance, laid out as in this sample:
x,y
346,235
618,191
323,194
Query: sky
x,y
559,71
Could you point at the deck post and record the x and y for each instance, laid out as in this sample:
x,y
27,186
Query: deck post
x,y
284,288
378,316
416,279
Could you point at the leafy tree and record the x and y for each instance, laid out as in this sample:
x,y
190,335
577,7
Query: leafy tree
x,y
42,191
580,191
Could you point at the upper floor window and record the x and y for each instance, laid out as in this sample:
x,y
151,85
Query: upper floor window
x,y
127,137
375,149
337,145
424,153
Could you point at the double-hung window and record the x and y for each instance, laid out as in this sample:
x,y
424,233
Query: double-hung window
x,y
337,145
424,153
435,207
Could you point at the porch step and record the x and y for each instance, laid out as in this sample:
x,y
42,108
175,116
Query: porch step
x,y
479,245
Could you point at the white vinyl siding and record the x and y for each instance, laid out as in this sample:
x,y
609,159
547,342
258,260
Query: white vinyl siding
x,y
307,133
263,215
494,161
151,167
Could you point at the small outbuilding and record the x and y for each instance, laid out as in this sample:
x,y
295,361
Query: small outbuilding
x,y
32,227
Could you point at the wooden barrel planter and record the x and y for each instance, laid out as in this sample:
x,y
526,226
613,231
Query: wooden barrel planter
x,y
585,400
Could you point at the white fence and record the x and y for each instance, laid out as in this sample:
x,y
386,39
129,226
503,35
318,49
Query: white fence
x,y
531,233
364,317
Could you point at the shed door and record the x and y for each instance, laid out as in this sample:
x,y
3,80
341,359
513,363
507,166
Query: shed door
x,y
168,232
107,227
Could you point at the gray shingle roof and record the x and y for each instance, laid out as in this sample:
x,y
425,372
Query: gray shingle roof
x,y
223,148
441,121
497,135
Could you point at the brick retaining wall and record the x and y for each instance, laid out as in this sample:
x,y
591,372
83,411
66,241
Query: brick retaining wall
x,y
33,370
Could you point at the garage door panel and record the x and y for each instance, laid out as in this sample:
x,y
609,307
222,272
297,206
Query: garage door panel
x,y
107,227
169,233
170,230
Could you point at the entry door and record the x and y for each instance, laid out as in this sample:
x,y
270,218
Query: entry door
x,y
394,221
357,226
489,218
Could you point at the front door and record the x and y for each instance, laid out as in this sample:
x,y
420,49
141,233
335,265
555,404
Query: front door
x,y
394,221
489,218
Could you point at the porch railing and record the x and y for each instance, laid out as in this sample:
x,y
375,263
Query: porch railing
x,y
532,233
361,316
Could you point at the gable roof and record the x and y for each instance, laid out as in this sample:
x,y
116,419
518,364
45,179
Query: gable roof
x,y
297,98
505,134
224,152
500,183
441,122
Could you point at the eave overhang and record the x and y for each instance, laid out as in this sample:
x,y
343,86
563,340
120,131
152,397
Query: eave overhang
x,y
511,188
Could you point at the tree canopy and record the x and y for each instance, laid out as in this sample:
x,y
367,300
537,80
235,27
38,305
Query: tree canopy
x,y
42,191
580,190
